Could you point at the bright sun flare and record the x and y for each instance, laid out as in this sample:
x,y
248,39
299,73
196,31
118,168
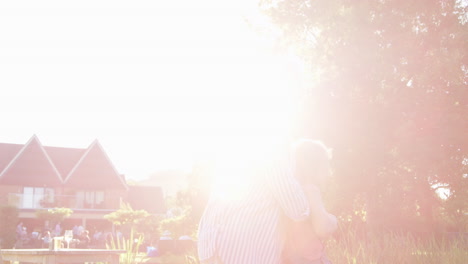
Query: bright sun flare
x,y
174,81
248,90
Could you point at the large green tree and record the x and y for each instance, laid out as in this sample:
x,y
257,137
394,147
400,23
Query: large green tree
x,y
389,92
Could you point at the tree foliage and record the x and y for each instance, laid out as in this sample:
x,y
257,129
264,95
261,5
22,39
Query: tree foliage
x,y
190,202
388,93
8,222
126,215
177,225
54,215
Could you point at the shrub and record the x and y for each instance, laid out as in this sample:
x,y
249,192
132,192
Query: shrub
x,y
8,222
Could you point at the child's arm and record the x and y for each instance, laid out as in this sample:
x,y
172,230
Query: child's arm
x,y
323,222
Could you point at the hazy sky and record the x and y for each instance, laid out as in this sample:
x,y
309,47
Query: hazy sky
x,y
159,84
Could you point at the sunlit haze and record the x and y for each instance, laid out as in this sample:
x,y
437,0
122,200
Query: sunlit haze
x,y
160,84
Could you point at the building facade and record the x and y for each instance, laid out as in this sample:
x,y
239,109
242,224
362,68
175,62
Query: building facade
x,y
33,177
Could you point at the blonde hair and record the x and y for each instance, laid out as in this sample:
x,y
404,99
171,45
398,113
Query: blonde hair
x,y
311,160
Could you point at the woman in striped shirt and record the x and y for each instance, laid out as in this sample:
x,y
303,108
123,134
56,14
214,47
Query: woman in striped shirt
x,y
241,224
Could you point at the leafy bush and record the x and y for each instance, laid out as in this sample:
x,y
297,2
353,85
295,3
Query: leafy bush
x,y
126,216
54,215
178,226
8,221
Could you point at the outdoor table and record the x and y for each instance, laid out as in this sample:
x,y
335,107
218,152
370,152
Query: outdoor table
x,y
47,256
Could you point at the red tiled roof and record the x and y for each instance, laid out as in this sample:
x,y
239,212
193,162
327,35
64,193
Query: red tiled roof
x,y
94,170
7,153
64,159
31,165
34,165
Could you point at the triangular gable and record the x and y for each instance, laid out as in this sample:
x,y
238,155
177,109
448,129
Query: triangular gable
x,y
94,171
8,153
32,167
64,159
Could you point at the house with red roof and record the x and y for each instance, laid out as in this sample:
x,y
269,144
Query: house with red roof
x,y
33,176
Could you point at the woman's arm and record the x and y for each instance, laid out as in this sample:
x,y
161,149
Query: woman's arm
x,y
323,222
287,191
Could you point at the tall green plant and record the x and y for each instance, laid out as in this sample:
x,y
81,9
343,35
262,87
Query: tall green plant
x,y
127,217
131,247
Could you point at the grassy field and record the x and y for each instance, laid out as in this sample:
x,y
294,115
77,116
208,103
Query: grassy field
x,y
401,249
389,248
382,249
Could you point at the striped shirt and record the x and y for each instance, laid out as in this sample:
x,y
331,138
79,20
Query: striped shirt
x,y
241,224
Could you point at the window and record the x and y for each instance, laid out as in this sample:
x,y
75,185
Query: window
x,y
90,199
37,197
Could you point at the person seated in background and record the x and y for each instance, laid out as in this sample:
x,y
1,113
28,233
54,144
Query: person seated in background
x,y
24,238
79,230
57,230
75,231
98,239
46,239
83,240
35,241
19,230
